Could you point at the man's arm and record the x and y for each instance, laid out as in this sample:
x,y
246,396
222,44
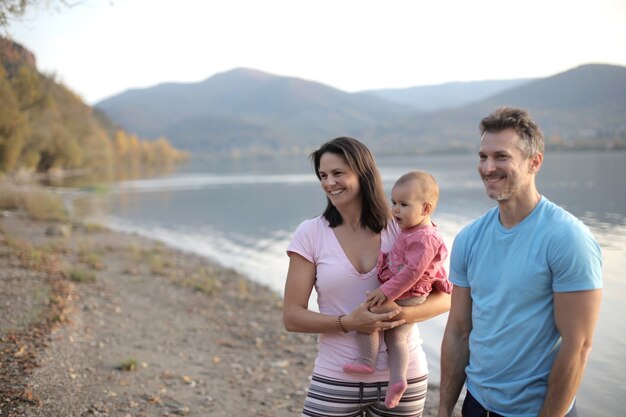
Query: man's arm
x,y
455,350
575,314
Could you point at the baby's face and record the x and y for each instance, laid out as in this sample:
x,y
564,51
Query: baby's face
x,y
407,205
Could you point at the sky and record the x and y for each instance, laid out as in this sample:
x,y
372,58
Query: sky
x,y
100,48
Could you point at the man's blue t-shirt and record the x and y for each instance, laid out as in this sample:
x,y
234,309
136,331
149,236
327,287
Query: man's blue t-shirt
x,y
512,274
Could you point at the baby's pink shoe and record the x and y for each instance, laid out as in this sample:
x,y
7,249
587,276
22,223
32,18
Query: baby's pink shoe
x,y
394,393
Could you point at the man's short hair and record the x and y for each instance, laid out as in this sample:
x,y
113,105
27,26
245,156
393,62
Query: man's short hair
x,y
519,120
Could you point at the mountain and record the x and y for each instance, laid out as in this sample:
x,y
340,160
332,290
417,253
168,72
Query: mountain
x,y
447,95
580,108
586,102
246,110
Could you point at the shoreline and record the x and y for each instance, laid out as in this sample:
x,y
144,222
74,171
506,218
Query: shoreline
x,y
198,339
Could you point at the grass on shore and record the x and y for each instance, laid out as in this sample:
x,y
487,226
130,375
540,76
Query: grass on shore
x,y
39,203
81,276
128,364
34,258
90,257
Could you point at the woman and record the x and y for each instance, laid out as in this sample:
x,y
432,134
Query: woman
x,y
337,253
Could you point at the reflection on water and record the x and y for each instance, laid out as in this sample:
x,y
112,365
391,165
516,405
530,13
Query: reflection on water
x,y
86,178
243,216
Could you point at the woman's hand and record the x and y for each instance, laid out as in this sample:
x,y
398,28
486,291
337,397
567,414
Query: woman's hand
x,y
364,321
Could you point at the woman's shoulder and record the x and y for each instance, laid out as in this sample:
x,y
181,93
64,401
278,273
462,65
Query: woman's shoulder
x,y
391,232
314,222
315,225
392,227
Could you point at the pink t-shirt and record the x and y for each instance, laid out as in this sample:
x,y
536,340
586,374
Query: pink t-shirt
x,y
340,289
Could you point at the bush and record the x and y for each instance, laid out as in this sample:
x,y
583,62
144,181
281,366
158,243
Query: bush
x,y
10,196
43,205
39,203
82,276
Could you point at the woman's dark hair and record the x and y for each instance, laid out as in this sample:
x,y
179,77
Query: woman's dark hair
x,y
374,208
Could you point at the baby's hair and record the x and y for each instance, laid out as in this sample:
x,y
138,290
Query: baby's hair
x,y
424,182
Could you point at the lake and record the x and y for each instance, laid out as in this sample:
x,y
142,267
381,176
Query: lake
x,y
242,215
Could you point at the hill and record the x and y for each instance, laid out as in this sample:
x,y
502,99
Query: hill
x,y
442,96
245,110
584,107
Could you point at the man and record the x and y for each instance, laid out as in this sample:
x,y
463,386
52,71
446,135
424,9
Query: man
x,y
527,288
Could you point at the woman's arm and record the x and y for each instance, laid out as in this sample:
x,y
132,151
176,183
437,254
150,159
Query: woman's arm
x,y
298,318
296,315
436,303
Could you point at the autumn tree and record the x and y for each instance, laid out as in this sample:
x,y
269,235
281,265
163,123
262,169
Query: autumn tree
x,y
45,127
12,125
15,9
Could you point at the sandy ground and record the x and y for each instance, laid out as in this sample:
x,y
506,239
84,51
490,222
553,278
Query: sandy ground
x,y
139,330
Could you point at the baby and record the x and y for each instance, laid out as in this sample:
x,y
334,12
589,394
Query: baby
x,y
407,275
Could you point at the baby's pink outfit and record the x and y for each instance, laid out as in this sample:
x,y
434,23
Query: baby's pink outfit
x,y
415,264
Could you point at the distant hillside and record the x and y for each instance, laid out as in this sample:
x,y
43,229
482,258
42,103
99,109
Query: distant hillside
x,y
588,102
581,108
448,95
246,110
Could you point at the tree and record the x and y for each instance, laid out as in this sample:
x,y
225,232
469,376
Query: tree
x,y
12,125
15,9
27,88
45,126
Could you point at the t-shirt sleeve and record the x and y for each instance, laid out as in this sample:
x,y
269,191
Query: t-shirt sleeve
x,y
389,236
303,241
458,260
575,260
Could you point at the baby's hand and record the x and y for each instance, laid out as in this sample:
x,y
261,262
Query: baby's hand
x,y
376,297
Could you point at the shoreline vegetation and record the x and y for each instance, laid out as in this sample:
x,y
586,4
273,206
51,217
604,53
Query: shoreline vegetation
x,y
97,322
46,130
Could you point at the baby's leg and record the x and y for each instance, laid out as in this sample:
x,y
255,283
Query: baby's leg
x,y
368,346
398,351
368,350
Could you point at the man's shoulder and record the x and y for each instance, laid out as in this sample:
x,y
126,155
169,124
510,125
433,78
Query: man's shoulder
x,y
552,209
479,223
560,220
